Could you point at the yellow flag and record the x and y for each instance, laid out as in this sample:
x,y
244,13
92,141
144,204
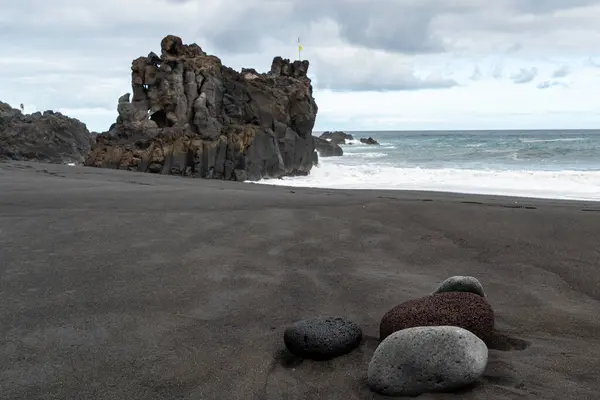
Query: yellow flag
x,y
300,47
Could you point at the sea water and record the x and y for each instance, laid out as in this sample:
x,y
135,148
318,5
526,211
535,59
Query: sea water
x,y
546,164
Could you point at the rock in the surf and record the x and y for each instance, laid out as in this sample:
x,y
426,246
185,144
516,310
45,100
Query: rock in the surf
x,y
427,359
463,309
322,338
336,137
461,284
327,149
369,140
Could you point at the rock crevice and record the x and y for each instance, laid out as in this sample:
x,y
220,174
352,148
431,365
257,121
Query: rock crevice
x,y
191,115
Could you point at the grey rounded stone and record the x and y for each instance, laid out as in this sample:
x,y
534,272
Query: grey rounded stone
x,y
461,284
427,359
322,338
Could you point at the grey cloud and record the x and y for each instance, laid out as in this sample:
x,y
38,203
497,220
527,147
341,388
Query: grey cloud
x,y
548,84
515,48
540,27
592,63
405,31
498,71
408,83
476,75
561,72
404,26
549,6
369,77
524,75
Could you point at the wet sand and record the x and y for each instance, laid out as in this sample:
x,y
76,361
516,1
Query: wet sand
x,y
119,285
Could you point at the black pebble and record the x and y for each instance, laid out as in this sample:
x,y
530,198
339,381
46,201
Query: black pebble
x,y
322,338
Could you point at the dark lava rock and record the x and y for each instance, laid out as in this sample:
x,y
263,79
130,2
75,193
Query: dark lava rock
x,y
327,149
463,309
46,137
369,140
191,115
322,338
336,137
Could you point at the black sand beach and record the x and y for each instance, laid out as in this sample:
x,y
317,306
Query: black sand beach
x,y
120,285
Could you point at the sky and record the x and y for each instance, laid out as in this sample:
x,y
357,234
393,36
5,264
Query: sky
x,y
375,64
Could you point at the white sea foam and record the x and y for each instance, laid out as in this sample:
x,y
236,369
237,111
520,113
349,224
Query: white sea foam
x,y
365,155
355,142
334,173
552,140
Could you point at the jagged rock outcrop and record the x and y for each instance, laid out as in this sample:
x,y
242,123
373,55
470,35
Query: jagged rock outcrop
x,y
336,137
369,140
327,149
48,137
193,116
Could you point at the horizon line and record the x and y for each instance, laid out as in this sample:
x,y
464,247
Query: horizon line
x,y
460,130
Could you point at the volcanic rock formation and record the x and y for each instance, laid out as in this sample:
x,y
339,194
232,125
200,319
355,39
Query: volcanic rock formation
x,y
336,137
48,137
193,116
369,140
327,149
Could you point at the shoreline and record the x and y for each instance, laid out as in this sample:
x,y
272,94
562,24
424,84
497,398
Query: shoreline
x,y
484,196
120,285
528,165
378,193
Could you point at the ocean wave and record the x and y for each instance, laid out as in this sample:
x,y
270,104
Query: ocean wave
x,y
366,155
354,142
358,143
571,184
577,139
475,144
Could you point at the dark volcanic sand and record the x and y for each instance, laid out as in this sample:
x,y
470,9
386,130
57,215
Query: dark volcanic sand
x,y
118,285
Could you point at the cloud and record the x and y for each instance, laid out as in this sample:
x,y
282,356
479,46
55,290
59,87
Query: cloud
x,y
337,69
592,63
498,71
549,84
383,84
550,6
561,72
476,75
525,75
394,26
515,48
